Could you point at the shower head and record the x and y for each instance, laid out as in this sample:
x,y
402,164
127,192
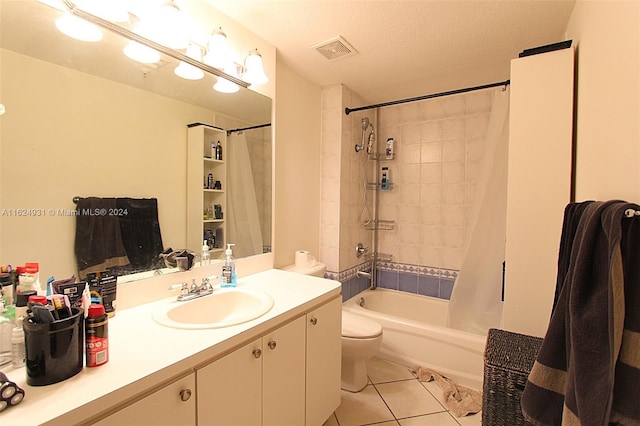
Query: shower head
x,y
365,125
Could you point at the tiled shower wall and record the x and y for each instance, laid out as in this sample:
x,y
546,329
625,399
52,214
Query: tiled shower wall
x,y
438,145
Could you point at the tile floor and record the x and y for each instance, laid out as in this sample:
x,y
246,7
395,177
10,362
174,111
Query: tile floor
x,y
395,397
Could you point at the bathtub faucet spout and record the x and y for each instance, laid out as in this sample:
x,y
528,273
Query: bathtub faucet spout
x,y
361,274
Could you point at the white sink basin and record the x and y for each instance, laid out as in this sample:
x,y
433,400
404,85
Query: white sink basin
x,y
224,308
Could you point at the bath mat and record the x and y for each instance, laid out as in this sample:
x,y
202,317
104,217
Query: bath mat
x,y
460,400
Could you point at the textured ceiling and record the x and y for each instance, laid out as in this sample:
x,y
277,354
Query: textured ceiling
x,y
405,48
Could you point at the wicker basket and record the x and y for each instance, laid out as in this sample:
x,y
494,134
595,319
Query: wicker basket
x,y
508,360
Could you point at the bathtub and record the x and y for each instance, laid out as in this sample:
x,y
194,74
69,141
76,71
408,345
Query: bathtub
x,y
414,333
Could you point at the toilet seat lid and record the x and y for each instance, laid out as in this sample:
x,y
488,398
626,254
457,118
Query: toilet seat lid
x,y
359,327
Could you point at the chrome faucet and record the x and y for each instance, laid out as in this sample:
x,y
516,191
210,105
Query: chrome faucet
x,y
193,292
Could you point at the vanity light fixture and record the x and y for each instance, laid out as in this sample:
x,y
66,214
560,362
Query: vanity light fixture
x,y
187,71
253,69
144,48
218,55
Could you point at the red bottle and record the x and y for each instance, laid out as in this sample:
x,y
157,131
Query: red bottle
x,y
97,336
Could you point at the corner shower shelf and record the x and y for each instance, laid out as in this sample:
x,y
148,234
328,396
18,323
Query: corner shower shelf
x,y
383,257
381,225
378,156
374,186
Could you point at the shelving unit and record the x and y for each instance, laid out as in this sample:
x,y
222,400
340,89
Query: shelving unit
x,y
201,201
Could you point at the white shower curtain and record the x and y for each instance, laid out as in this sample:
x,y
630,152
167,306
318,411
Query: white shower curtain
x,y
243,223
476,304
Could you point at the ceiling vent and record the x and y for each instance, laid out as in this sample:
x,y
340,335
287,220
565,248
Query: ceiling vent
x,y
336,48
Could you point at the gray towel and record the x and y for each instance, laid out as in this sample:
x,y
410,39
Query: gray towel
x,y
588,369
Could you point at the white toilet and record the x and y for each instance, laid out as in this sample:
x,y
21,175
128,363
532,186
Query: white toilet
x,y
361,339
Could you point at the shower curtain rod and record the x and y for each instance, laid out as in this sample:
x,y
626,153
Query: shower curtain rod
x,y
249,128
434,95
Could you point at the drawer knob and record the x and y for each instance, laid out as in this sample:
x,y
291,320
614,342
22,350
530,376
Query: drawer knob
x,y
272,344
185,395
313,321
257,353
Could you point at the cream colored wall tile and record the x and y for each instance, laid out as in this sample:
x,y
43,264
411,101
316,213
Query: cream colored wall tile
x,y
330,236
452,258
431,256
477,125
453,128
431,131
432,109
409,214
431,235
410,133
409,253
453,172
453,216
453,193
409,234
431,215
410,193
431,173
408,173
454,150
454,105
431,152
431,194
409,112
329,256
330,213
453,237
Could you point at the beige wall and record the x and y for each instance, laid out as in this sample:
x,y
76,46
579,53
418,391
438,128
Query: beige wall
x,y
607,39
297,166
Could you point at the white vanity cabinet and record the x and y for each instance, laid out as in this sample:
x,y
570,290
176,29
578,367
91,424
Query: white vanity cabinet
x,y
289,376
324,357
174,404
262,383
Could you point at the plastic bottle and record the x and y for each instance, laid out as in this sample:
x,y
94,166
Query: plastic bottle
x,y
219,151
389,149
18,355
6,330
97,336
228,278
205,257
384,182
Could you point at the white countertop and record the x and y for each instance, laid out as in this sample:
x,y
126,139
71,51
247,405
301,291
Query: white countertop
x,y
144,353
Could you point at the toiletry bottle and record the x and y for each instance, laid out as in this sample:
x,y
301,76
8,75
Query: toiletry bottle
x,y
205,257
6,330
384,181
210,181
213,150
389,149
219,151
229,269
17,345
96,336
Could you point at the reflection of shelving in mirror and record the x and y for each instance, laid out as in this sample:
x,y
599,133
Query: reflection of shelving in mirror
x,y
382,225
207,181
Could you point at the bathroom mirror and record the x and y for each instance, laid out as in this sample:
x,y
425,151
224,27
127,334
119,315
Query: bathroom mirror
x,y
84,120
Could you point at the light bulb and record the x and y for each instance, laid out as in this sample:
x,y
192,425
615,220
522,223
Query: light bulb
x,y
78,28
141,53
218,55
225,86
254,72
188,71
165,25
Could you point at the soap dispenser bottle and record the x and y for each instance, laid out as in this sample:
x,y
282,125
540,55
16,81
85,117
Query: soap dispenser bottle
x,y
228,278
205,257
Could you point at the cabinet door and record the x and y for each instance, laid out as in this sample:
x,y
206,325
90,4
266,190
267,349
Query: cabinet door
x,y
283,375
324,352
173,405
230,389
